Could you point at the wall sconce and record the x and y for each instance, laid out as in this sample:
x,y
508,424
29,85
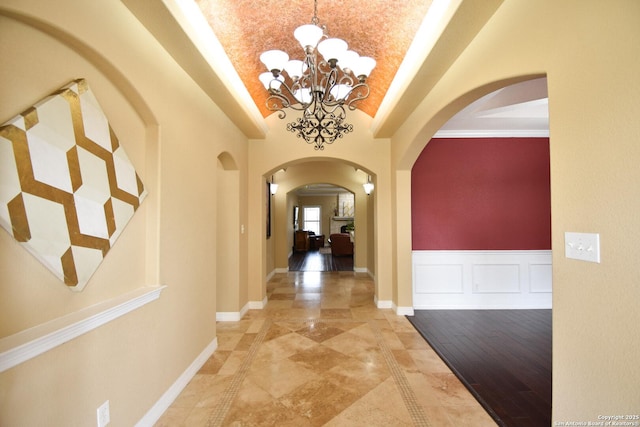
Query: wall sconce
x,y
273,187
368,186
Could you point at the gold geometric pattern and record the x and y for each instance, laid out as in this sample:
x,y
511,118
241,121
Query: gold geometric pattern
x,y
67,187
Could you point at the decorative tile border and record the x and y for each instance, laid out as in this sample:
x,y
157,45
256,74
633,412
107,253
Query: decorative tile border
x,y
217,417
408,396
415,410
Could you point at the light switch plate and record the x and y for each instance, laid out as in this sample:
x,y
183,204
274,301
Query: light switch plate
x,y
103,414
582,246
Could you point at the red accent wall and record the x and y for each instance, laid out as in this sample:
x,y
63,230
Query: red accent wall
x,y
482,194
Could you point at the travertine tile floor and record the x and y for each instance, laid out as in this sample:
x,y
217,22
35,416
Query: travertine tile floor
x,y
322,354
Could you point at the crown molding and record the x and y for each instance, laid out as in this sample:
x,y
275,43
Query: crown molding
x,y
492,133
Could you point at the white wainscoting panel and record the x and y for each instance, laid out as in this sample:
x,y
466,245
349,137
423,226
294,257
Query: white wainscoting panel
x,y
439,278
496,278
540,277
482,279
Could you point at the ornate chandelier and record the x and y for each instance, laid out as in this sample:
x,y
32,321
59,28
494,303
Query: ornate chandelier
x,y
328,79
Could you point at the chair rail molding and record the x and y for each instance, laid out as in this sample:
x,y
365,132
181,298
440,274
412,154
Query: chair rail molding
x,y
24,345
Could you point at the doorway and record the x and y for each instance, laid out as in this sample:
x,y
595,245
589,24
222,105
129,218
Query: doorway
x,y
482,250
481,203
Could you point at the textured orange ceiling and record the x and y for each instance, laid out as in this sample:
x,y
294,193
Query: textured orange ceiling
x,y
382,29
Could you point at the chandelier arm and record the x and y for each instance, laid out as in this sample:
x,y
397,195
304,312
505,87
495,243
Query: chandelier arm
x,y
325,70
360,91
300,83
281,98
347,79
311,75
330,82
277,102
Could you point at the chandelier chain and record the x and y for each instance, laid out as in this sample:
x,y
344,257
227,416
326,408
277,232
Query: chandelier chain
x,y
315,20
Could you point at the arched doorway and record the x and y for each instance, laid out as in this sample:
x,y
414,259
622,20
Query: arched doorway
x,y
481,206
481,218
324,228
338,174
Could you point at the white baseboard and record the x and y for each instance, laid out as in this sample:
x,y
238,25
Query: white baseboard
x,y
279,270
383,303
517,279
153,415
228,316
232,316
270,275
400,311
257,305
403,311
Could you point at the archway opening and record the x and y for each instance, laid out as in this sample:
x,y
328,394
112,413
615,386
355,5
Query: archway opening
x,y
313,178
481,245
325,232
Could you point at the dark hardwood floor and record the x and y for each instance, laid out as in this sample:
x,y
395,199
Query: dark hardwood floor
x,y
319,261
502,356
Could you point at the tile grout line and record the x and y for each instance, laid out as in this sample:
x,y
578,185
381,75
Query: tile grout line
x,y
415,410
408,396
219,414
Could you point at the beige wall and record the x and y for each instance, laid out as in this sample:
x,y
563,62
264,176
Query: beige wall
x,y
589,53
173,134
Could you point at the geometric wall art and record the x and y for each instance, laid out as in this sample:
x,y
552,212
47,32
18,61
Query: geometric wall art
x,y
67,187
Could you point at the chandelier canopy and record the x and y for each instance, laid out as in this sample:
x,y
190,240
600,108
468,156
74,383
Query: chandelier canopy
x,y
328,79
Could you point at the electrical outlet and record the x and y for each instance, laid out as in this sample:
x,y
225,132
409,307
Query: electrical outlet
x,y
103,414
582,246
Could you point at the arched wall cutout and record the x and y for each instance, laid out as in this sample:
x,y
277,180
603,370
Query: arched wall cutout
x,y
107,68
227,161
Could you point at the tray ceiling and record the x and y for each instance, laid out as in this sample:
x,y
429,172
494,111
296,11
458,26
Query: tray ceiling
x,y
381,29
